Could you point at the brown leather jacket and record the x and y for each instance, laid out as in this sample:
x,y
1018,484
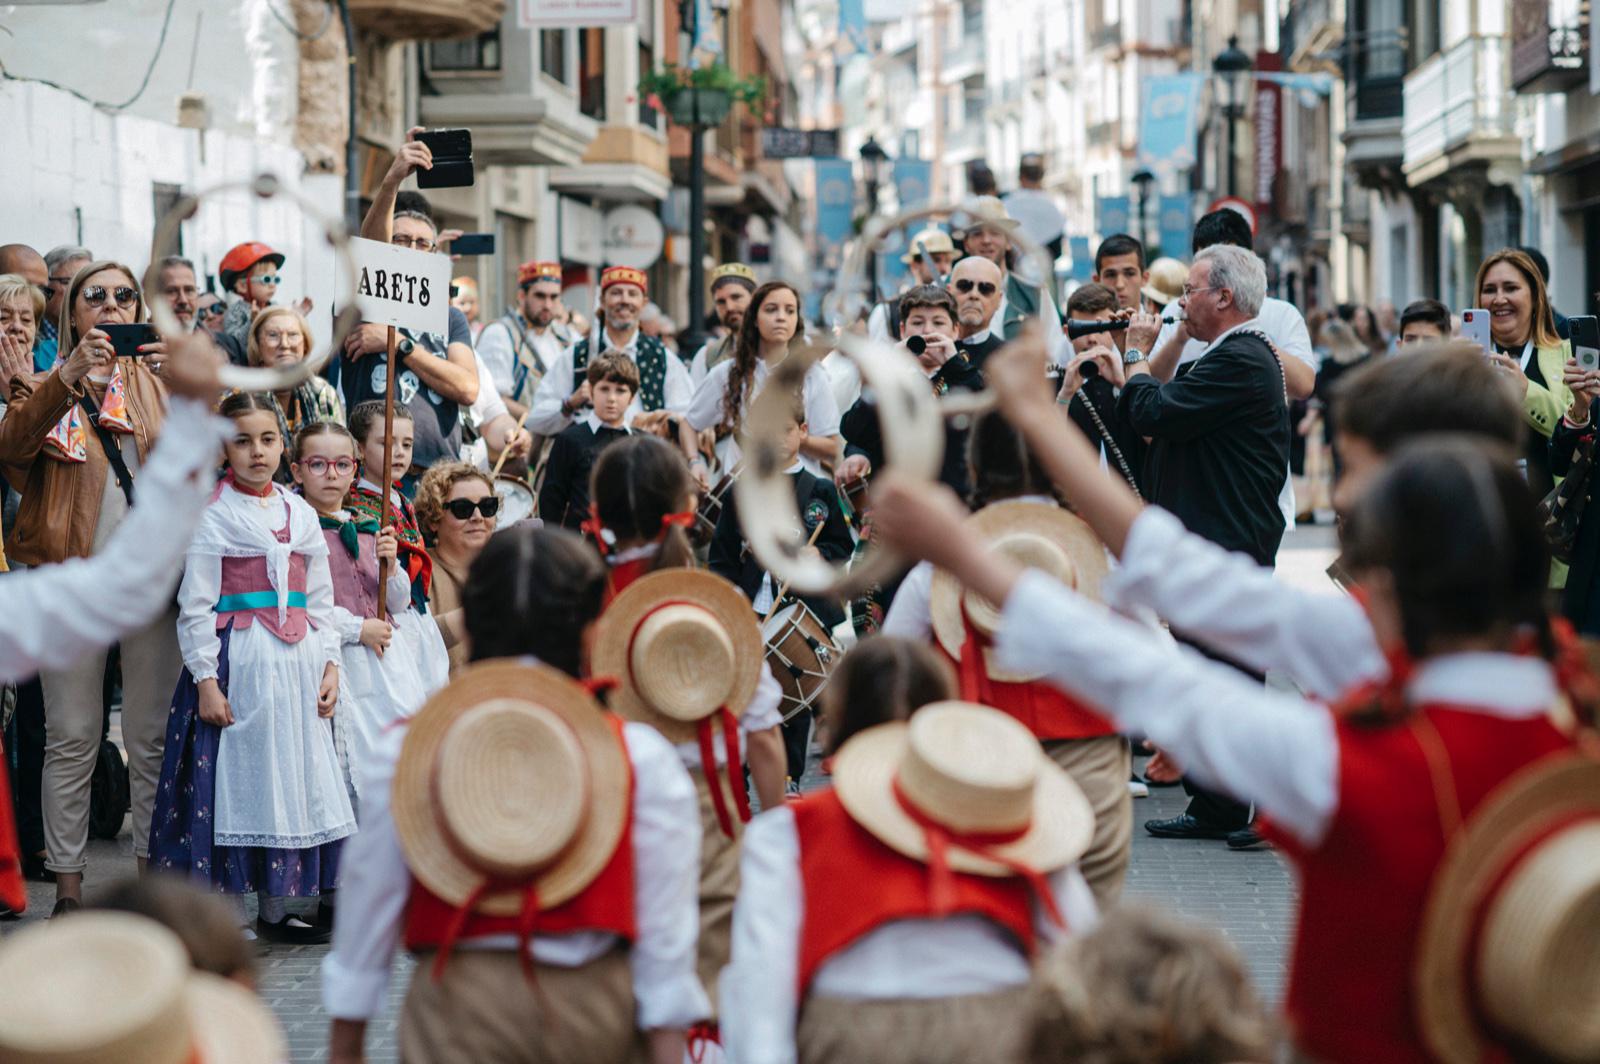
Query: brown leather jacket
x,y
61,500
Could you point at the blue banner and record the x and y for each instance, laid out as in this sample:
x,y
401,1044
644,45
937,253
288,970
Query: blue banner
x,y
1175,226
1082,264
853,23
1115,216
912,180
1167,122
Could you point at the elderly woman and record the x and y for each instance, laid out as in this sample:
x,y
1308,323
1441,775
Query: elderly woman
x,y
21,311
75,440
456,510
280,336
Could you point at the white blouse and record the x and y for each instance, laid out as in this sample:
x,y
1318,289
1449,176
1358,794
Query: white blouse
x,y
709,407
761,714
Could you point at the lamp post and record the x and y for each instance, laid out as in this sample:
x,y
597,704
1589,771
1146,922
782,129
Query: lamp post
x,y
1142,180
1232,68
872,159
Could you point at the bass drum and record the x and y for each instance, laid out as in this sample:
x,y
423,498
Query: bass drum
x,y
517,501
801,654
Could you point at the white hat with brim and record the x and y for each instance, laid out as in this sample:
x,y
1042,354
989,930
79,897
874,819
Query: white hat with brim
x,y
115,988
988,212
510,773
681,644
975,772
1167,278
1038,535
1511,929
929,242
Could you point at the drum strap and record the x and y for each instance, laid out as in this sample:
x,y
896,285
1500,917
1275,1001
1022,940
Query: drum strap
x,y
708,764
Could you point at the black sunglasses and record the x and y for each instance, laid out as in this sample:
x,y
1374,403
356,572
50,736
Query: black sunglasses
x,y
461,509
215,310
125,295
985,288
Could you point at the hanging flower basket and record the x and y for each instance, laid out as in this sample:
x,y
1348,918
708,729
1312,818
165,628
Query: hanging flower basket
x,y
700,96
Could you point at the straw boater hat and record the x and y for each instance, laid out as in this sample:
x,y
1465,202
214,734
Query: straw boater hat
x,y
929,242
988,211
1511,932
972,771
115,988
682,644
1167,278
510,774
1038,535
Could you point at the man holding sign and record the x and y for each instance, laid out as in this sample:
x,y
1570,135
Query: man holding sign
x,y
435,372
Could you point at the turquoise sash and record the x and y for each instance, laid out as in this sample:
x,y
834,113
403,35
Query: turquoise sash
x,y
258,600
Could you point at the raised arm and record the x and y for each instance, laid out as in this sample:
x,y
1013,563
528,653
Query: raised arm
x,y
412,156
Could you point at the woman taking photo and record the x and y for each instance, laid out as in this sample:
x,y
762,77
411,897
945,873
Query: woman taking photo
x,y
1526,346
723,398
456,509
54,442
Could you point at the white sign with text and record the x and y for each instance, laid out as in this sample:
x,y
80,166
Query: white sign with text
x,y
548,14
401,287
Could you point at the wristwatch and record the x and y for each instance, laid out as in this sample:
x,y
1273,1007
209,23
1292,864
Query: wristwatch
x,y
1131,356
405,346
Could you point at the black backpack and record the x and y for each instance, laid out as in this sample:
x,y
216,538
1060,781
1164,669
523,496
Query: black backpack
x,y
109,800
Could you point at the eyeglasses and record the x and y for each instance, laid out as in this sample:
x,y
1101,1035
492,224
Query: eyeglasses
x,y
1189,290
416,243
461,509
270,278
125,295
985,288
274,337
320,466
215,310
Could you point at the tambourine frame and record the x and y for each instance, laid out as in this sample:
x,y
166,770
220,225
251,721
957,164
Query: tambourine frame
x,y
264,185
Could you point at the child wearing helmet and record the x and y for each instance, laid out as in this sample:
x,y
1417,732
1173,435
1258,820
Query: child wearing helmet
x,y
250,277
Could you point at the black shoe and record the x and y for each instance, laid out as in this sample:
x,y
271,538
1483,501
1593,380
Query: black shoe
x,y
1185,827
293,931
33,869
64,906
1246,839
325,915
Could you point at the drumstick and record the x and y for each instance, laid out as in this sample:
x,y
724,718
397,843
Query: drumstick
x,y
777,600
506,451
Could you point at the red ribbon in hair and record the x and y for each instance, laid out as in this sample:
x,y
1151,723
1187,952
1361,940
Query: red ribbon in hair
x,y
942,880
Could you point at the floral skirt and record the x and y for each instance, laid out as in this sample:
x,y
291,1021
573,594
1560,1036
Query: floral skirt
x,y
182,828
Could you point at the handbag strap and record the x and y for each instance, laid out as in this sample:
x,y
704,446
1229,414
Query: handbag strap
x,y
113,450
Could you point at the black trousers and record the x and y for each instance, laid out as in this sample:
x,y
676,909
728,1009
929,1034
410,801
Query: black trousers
x,y
797,743
27,748
1209,807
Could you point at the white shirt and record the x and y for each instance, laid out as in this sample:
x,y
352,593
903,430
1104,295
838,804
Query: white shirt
x,y
58,613
375,885
708,408
960,954
1042,221
1276,750
762,713
497,345
545,417
1324,643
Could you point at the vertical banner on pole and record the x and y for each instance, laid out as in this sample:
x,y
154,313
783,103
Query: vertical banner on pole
x,y
1268,136
1175,222
1167,122
836,198
912,180
1115,215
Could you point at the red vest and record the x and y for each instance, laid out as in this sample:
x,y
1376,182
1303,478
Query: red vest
x,y
604,905
837,856
248,597
1363,889
1049,712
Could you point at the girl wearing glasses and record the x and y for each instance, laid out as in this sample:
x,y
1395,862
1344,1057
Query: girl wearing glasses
x,y
456,507
81,434
251,798
392,655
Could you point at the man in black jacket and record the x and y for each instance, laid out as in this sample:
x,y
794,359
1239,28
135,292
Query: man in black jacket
x,y
1219,443
1090,394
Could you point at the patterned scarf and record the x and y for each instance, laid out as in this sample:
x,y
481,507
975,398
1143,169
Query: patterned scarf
x,y
366,505
66,441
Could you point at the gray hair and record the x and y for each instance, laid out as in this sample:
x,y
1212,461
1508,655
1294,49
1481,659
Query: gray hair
x,y
176,260
65,253
1239,270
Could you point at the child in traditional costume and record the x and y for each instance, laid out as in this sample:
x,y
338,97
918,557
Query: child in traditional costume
x,y
365,502
559,926
641,501
393,655
251,798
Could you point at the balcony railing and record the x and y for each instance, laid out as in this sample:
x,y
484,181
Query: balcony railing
x,y
1456,96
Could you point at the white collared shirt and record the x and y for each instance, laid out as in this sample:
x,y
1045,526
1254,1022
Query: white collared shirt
x,y
545,417
375,886
709,406
961,954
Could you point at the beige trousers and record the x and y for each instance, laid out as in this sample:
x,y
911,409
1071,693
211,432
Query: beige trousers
x,y
72,721
971,1029
1101,768
483,1010
719,884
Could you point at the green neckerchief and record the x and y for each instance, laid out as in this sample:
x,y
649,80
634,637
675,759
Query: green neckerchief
x,y
349,530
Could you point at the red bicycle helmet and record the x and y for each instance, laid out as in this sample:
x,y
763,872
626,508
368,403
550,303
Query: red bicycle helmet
x,y
242,259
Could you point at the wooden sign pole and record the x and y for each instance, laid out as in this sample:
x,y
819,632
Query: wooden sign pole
x,y
388,479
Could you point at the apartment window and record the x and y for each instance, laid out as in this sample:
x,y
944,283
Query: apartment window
x,y
480,53
648,116
592,73
553,54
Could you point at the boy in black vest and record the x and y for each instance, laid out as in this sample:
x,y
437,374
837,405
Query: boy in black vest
x,y
613,381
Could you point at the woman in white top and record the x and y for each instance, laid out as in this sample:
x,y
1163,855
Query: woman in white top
x,y
723,398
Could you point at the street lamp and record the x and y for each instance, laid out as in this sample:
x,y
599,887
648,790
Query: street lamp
x,y
872,159
1232,68
1142,180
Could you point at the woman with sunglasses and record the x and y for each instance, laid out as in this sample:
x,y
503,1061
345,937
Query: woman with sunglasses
x,y
81,435
456,509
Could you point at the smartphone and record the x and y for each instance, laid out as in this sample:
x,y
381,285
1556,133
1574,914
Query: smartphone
x,y
473,244
1586,342
1475,327
127,339
452,159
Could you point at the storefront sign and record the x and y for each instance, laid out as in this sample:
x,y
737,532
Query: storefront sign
x,y
633,236
1269,135
401,287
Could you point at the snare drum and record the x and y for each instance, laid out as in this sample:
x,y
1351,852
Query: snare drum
x,y
516,500
710,511
801,653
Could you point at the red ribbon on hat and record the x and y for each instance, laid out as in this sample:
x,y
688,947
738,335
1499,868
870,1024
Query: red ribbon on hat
x,y
526,919
703,1034
940,840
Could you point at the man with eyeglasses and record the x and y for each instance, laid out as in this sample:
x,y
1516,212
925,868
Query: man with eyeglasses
x,y
62,264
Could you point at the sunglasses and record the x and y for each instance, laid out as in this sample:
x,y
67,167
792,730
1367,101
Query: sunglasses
x,y
215,310
985,288
461,509
270,278
318,466
125,295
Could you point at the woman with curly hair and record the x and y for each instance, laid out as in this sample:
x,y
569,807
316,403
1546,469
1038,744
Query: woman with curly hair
x,y
456,509
723,398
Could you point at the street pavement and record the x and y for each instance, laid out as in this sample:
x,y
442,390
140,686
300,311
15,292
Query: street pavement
x,y
1250,896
